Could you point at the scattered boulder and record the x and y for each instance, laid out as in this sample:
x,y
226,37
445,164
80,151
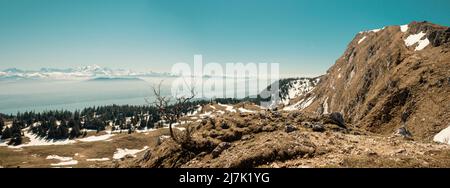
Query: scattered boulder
x,y
224,125
247,137
318,127
158,141
370,152
220,148
335,118
276,114
403,132
294,114
268,128
338,118
307,124
290,128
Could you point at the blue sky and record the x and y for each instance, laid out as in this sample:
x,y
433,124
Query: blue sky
x,y
305,37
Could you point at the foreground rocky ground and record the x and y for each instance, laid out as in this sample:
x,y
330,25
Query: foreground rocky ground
x,y
238,136
288,139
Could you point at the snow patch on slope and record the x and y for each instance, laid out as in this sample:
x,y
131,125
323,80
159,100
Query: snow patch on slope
x,y
64,160
96,138
298,87
443,136
300,105
243,110
376,30
37,141
65,163
121,153
422,44
352,74
325,106
98,159
373,30
56,157
362,39
417,39
404,28
227,107
206,114
195,112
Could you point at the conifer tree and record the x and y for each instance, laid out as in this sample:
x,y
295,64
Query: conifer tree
x,y
2,124
6,133
75,131
15,133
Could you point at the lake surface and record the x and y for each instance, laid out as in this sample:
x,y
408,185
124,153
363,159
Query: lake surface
x,y
40,95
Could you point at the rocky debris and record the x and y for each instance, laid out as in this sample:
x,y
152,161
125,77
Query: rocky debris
x,y
276,114
146,155
224,125
370,152
294,114
318,127
289,128
306,124
400,151
220,148
403,132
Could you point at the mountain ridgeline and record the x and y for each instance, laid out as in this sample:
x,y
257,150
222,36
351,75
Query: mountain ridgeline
x,y
388,78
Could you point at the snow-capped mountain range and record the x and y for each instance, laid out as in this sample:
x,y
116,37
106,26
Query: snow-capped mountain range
x,y
79,73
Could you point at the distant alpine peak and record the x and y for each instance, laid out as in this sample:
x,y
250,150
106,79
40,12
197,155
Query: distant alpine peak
x,y
80,73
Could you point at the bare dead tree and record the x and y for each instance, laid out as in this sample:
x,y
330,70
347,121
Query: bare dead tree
x,y
171,113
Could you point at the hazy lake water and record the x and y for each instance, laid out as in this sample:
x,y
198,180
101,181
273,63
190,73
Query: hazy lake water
x,y
40,95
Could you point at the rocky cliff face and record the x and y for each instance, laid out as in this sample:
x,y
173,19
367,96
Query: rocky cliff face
x,y
390,77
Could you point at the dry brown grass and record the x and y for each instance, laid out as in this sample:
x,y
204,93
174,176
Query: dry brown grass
x,y
35,156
